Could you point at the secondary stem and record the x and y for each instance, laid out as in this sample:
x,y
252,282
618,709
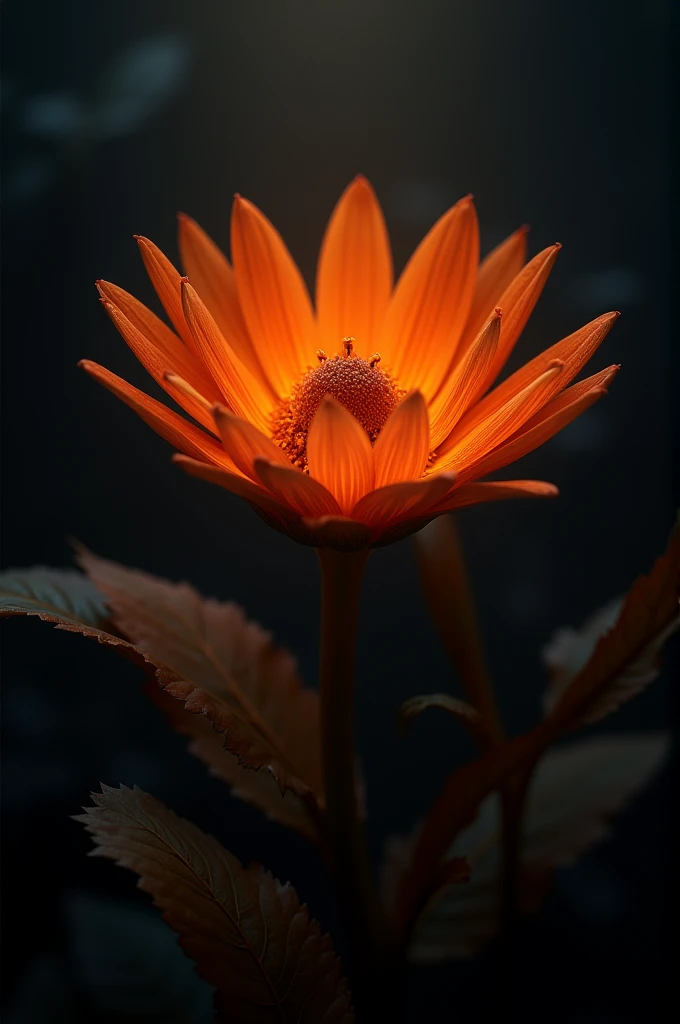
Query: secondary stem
x,y
367,928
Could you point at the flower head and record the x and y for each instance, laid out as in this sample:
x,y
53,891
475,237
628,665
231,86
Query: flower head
x,y
352,424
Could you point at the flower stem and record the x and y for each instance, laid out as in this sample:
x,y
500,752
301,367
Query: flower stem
x,y
367,928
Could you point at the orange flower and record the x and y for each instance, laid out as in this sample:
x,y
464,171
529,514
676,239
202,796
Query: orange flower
x,y
354,425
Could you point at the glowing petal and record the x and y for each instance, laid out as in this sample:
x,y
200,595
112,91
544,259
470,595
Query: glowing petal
x,y
354,278
464,382
403,445
402,501
574,352
157,363
496,273
339,454
168,284
475,443
183,361
241,392
553,417
244,443
168,424
517,303
292,487
273,297
497,490
211,274
431,302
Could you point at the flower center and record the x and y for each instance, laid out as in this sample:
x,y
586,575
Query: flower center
x,y
368,392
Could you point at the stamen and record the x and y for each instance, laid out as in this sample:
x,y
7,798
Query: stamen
x,y
365,390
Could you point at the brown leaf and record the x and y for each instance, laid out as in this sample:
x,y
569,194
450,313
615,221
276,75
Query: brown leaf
x,y
574,793
626,659
67,599
247,933
225,668
459,709
73,603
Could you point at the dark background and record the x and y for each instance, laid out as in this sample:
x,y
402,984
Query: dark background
x,y
116,116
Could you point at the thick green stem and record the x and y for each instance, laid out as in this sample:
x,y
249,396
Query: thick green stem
x,y
368,931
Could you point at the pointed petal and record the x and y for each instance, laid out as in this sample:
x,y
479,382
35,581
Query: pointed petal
x,y
168,284
574,351
474,444
241,392
292,487
244,443
338,532
431,302
354,277
496,272
463,383
517,303
403,446
273,297
396,502
212,275
553,417
183,360
497,490
157,364
339,454
168,424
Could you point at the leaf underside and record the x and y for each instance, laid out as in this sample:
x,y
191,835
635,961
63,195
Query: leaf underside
x,y
248,934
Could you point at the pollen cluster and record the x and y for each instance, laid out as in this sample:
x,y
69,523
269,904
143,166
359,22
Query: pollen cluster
x,y
368,392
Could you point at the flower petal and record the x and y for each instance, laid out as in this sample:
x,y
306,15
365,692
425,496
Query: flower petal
x,y
241,391
431,302
181,359
157,364
496,490
496,272
574,351
274,514
517,303
292,487
244,443
213,277
403,445
463,383
273,297
168,284
396,502
168,424
338,532
552,418
339,454
473,444
354,277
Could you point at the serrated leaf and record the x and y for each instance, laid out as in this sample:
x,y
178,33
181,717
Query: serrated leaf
x,y
626,659
250,708
67,599
226,669
63,593
247,933
574,793
459,709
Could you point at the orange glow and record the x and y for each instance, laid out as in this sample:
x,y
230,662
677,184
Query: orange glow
x,y
354,424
